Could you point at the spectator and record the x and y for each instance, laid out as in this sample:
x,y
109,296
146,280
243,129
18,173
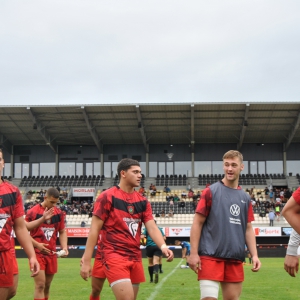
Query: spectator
x,y
271,194
171,213
162,213
271,217
190,194
183,195
142,191
167,189
176,198
171,204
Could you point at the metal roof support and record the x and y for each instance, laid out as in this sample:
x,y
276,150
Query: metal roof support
x,y
92,131
6,144
292,132
192,128
43,131
244,127
141,128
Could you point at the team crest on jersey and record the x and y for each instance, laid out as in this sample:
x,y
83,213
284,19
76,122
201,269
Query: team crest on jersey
x,y
48,222
48,232
130,209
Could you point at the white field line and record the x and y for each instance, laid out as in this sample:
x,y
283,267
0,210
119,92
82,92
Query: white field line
x,y
160,284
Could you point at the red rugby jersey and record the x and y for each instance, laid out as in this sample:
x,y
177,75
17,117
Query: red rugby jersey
x,y
47,232
11,208
123,214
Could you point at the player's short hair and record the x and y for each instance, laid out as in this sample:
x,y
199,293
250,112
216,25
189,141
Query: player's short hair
x,y
177,242
233,154
125,164
52,192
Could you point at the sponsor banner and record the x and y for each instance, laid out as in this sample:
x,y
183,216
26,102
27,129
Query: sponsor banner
x,y
267,231
286,230
83,192
77,232
177,231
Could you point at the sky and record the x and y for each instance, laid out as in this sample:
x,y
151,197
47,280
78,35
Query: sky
x,y
142,52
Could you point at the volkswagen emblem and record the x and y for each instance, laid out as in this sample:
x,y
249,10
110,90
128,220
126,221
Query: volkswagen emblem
x,y
235,210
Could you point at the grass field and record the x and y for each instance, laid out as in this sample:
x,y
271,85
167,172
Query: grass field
x,y
271,282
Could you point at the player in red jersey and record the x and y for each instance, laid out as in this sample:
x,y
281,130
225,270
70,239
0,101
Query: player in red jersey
x,y
13,289
98,274
44,241
11,218
119,212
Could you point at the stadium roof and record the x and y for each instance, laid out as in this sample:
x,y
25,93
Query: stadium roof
x,y
150,124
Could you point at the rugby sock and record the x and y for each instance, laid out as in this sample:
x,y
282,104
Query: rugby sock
x,y
155,269
150,270
160,266
94,298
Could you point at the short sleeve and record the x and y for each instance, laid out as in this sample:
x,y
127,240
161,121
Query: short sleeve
x,y
204,204
102,207
296,195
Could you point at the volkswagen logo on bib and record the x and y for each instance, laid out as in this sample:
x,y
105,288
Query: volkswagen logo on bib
x,y
235,210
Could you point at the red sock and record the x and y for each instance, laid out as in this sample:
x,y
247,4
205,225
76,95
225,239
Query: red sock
x,y
94,298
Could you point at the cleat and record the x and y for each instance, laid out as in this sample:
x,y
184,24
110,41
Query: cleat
x,y
156,278
161,271
151,281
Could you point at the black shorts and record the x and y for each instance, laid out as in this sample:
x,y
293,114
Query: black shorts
x,y
153,251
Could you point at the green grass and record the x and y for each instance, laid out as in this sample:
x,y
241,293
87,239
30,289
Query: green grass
x,y
271,282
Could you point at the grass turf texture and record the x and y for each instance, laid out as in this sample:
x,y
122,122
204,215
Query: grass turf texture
x,y
271,282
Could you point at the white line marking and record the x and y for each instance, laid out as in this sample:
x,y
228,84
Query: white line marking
x,y
158,286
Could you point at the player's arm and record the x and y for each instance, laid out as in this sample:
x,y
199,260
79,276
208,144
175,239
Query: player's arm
x,y
96,226
251,245
183,252
158,239
25,241
195,235
36,223
291,261
63,240
291,212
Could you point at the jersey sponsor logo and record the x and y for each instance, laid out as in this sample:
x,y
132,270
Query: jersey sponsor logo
x,y
235,210
130,209
132,226
3,219
2,223
48,232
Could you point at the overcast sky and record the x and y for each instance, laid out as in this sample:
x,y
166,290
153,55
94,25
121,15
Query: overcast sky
x,y
110,52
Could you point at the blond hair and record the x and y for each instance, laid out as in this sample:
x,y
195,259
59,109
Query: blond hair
x,y
233,154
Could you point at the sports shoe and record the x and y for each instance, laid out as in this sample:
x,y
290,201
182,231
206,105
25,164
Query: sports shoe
x,y
156,278
151,281
161,271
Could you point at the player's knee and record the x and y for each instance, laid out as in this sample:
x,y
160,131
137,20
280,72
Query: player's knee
x,y
209,289
11,293
40,285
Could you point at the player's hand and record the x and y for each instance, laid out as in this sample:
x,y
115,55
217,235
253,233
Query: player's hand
x,y
67,252
256,264
43,248
34,266
168,253
195,262
85,270
291,265
48,213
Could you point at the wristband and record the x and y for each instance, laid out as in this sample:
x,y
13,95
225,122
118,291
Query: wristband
x,y
292,250
163,246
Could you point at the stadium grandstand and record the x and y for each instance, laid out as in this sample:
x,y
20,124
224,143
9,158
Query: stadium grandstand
x,y
77,148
